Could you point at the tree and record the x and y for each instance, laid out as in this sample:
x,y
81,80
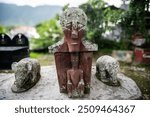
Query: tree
x,y
94,12
100,16
134,19
2,29
50,33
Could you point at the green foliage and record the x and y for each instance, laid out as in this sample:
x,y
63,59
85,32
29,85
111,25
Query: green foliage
x,y
50,33
133,20
113,16
93,10
5,29
2,29
100,19
44,58
108,44
65,7
125,44
36,55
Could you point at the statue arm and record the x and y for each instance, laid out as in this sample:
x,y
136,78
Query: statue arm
x,y
68,77
81,78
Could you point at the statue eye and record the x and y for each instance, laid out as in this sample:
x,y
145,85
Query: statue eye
x,y
69,15
80,25
68,24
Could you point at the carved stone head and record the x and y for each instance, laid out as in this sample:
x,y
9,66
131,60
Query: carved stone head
x,y
27,73
107,69
22,70
73,22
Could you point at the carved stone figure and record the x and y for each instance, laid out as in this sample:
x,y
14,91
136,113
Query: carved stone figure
x,y
72,56
107,69
75,82
27,74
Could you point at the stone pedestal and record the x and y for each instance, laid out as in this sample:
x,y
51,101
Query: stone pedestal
x,y
48,89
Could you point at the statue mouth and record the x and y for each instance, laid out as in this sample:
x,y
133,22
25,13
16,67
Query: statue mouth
x,y
74,43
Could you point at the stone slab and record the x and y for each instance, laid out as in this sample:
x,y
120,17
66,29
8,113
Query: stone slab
x,y
47,88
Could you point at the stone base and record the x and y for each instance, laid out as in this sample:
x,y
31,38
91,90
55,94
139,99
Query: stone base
x,y
47,88
28,86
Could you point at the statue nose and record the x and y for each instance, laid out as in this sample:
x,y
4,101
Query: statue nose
x,y
74,34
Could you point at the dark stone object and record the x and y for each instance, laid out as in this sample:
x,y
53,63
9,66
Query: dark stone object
x,y
12,51
5,40
20,40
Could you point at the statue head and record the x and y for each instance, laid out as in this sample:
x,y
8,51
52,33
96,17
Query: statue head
x,y
74,17
27,73
73,22
22,71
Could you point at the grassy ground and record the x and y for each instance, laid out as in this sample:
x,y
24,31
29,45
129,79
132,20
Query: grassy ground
x,y
96,55
45,59
140,74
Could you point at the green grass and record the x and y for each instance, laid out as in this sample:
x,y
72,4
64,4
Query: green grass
x,y
36,55
45,59
101,52
141,76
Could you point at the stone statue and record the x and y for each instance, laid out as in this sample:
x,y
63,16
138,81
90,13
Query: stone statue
x,y
107,69
73,57
27,74
75,82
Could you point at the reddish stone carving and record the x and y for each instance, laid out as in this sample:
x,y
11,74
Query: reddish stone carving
x,y
73,59
75,82
63,64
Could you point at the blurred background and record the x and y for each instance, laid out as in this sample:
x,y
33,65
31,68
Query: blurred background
x,y
120,28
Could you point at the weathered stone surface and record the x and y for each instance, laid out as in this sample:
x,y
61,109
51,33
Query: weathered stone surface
x,y
47,88
73,15
27,74
107,69
88,45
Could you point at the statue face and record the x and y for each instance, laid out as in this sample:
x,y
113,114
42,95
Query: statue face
x,y
74,31
75,16
73,22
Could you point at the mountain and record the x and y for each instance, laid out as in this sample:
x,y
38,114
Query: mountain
x,y
11,14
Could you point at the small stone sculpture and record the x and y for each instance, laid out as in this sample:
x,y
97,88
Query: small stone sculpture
x,y
107,69
27,74
75,82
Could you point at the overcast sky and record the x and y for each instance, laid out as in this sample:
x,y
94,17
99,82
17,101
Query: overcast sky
x,y
72,3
